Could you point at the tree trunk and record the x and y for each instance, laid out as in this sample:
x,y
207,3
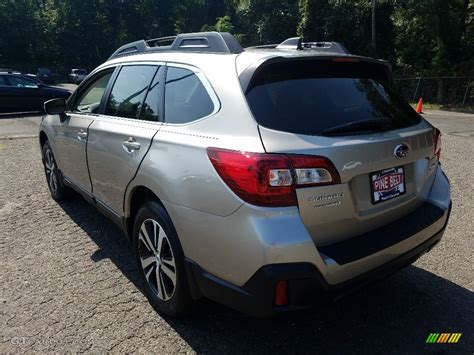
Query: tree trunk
x,y
374,30
440,95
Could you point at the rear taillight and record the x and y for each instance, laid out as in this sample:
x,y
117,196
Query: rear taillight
x,y
437,151
271,179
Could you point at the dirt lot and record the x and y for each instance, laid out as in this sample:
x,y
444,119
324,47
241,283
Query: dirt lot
x,y
69,282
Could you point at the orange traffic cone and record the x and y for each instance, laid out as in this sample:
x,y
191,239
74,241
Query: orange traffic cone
x,y
419,107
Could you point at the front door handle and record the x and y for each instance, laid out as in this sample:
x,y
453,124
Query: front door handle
x,y
131,145
81,135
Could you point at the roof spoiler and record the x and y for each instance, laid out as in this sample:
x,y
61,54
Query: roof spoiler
x,y
247,75
296,43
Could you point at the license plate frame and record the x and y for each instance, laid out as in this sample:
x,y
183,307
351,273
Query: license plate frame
x,y
387,184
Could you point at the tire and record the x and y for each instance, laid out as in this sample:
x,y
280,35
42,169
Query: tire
x,y
53,177
161,261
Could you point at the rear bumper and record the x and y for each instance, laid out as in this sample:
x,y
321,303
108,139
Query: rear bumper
x,y
306,286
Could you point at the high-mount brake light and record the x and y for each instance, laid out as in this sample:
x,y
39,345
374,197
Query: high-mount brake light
x,y
437,151
271,180
345,60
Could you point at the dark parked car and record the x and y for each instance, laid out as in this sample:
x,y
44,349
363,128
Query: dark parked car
x,y
45,75
22,93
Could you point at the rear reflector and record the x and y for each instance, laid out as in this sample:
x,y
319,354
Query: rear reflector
x,y
281,293
271,180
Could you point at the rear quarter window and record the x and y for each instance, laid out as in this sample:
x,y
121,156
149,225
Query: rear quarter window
x,y
313,96
186,97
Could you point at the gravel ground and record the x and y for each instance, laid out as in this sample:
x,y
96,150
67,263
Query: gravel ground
x,y
69,283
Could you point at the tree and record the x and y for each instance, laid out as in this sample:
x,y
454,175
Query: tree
x,y
374,29
419,37
312,19
267,21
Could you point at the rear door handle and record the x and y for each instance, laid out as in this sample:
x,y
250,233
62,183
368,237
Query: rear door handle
x,y
131,145
81,135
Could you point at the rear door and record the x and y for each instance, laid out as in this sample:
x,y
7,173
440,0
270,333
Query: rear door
x,y
5,95
120,137
345,111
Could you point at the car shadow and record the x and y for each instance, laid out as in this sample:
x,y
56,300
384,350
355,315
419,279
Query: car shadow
x,y
392,316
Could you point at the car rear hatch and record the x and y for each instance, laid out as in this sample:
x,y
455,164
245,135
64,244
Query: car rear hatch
x,y
343,109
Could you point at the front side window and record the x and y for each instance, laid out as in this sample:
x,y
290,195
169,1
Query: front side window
x,y
89,101
19,82
129,90
186,98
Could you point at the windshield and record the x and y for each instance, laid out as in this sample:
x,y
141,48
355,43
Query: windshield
x,y
313,97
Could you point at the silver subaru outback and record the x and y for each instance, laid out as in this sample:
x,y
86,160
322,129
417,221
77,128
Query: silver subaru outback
x,y
268,179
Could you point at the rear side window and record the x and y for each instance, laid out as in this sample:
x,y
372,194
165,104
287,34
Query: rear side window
x,y
21,82
129,90
153,102
3,81
186,98
321,97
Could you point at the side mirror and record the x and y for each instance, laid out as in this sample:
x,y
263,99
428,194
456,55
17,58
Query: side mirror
x,y
55,106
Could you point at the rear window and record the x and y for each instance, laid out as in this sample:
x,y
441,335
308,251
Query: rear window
x,y
318,97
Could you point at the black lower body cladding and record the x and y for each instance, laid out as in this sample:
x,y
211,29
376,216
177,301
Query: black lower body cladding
x,y
306,286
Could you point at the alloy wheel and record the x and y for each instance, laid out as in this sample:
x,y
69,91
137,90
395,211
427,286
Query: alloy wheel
x,y
157,259
51,171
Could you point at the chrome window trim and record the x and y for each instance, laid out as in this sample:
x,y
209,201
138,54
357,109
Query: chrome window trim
x,y
201,76
109,118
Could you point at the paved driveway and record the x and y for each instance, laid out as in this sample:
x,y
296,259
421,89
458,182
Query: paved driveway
x,y
69,282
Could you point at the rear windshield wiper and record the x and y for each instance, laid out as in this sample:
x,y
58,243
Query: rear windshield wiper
x,y
376,124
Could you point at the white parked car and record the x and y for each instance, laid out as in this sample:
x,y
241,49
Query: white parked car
x,y
77,75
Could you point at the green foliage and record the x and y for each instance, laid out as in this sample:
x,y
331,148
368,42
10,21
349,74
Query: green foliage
x,y
223,24
435,37
267,21
419,37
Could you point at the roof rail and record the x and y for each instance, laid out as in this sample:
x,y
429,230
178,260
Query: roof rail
x,y
214,42
296,43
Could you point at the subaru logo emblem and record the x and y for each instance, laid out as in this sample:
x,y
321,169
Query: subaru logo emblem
x,y
401,151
